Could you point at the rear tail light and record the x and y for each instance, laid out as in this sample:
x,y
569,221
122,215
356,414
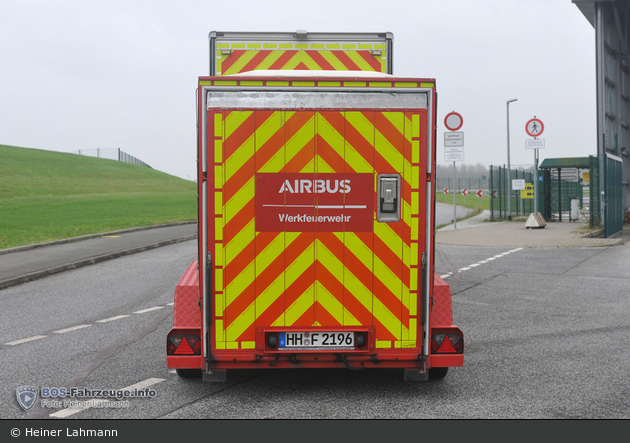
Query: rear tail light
x,y
447,343
183,344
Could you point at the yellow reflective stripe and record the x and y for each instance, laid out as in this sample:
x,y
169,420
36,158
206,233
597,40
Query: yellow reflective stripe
x,y
303,136
356,287
240,241
415,125
218,124
218,203
276,288
413,286
366,129
218,255
359,249
321,166
297,308
267,130
383,344
241,62
234,120
300,264
389,152
239,200
301,57
270,60
406,213
414,228
415,151
359,61
415,205
388,237
248,345
334,61
218,330
218,177
271,252
218,151
333,306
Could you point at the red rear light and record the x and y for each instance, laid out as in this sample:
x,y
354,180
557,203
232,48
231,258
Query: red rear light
x,y
447,343
183,344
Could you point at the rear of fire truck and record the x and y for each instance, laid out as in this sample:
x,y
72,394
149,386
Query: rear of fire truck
x,y
316,213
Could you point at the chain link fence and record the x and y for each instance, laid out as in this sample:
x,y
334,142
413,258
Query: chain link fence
x,y
112,154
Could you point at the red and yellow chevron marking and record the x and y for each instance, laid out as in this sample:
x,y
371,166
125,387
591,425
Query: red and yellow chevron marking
x,y
311,279
244,60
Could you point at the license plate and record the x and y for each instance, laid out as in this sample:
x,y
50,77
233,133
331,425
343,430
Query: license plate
x,y
316,340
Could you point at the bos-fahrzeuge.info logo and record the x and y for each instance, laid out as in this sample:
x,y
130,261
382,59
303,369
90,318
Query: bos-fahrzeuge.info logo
x,y
79,397
26,396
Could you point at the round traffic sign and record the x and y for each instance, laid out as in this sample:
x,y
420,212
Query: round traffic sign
x,y
453,121
534,127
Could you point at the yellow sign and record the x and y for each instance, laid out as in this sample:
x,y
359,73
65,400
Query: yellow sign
x,y
586,180
528,192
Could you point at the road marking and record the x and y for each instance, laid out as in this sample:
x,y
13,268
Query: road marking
x,y
25,340
142,311
74,328
63,413
474,265
105,320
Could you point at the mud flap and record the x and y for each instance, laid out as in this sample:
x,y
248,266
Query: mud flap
x,y
416,375
215,376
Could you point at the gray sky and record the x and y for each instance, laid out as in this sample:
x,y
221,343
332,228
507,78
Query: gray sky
x,y
86,74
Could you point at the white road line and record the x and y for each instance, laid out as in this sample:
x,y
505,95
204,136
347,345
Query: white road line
x,y
170,304
474,265
74,328
105,320
63,413
25,340
142,311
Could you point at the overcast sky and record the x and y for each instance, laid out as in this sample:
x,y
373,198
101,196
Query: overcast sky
x,y
86,74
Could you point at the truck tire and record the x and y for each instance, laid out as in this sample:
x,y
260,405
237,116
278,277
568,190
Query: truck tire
x,y
437,373
189,373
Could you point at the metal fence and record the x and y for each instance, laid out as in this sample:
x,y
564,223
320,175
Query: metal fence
x,y
112,154
498,186
471,184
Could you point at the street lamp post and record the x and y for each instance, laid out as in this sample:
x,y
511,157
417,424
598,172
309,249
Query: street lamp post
x,y
509,181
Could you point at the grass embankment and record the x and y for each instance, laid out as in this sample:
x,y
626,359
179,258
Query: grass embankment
x,y
47,196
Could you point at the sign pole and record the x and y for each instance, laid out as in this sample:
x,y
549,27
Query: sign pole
x,y
454,150
534,128
454,197
535,180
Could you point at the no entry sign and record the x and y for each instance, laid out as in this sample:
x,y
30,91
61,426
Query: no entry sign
x,y
453,121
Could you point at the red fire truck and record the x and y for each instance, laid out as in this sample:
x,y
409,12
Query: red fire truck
x,y
316,213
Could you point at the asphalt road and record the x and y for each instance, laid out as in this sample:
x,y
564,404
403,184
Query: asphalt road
x,y
545,332
444,213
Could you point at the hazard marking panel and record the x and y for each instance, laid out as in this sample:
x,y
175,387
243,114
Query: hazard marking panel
x,y
295,57
305,202
332,273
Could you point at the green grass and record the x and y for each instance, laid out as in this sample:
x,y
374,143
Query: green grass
x,y
47,196
469,201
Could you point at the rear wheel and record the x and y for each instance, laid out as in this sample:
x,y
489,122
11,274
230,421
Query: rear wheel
x,y
189,373
437,373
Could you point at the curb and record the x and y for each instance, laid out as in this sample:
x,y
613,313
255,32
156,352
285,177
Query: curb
x,y
87,237
88,261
